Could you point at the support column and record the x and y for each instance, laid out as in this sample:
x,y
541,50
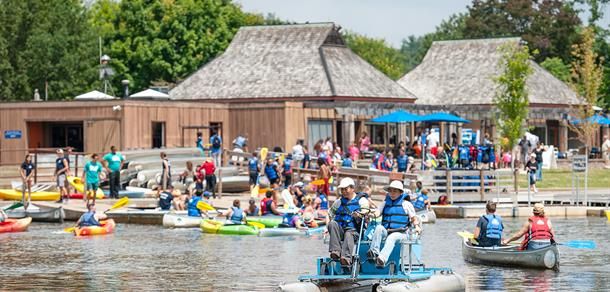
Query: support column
x,y
402,133
348,131
412,134
442,133
563,136
459,133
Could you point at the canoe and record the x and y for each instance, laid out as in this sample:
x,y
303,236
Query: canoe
x,y
268,221
13,195
171,220
78,185
15,225
544,258
211,226
427,216
106,227
39,214
271,232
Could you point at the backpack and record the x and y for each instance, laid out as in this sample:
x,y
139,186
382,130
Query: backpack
x,y
216,142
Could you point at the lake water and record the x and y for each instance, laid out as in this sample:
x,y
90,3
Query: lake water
x,y
139,257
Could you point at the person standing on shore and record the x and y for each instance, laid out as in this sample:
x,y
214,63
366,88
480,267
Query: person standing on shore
x,y
538,151
113,164
531,166
61,168
166,173
208,169
324,174
67,153
199,143
524,146
216,141
27,178
606,151
364,143
91,177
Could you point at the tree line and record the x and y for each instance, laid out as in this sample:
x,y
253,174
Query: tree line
x,y
53,46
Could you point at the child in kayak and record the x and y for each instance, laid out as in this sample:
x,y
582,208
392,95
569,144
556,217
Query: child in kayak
x,y
90,218
253,209
235,214
192,209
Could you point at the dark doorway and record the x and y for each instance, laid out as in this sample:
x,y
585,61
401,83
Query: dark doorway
x,y
56,135
216,127
339,135
158,134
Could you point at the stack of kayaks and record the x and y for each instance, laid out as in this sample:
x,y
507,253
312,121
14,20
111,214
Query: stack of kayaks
x,y
15,225
544,258
13,195
106,227
211,226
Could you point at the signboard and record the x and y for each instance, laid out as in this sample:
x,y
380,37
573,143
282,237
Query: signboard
x,y
12,134
579,163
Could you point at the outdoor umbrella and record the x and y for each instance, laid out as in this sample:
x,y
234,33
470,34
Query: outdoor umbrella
x,y
443,117
596,119
399,116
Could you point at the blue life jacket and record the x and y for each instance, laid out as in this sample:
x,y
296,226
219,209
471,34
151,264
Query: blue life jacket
x,y
192,207
394,215
88,219
324,202
464,153
253,165
270,171
376,160
494,226
287,219
347,162
344,213
385,164
238,214
288,166
402,162
420,203
59,163
492,154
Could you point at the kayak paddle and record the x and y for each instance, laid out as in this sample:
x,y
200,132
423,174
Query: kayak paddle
x,y
255,190
318,182
580,244
13,206
120,203
466,235
203,206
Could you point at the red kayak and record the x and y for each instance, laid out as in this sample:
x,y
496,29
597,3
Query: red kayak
x,y
76,196
15,225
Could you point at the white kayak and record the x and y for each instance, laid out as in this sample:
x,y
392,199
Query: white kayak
x,y
427,216
182,220
279,231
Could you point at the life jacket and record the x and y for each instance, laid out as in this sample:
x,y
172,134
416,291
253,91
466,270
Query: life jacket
x,y
347,162
192,207
402,161
323,201
494,226
266,206
59,163
385,164
474,152
287,219
344,213
463,153
492,154
376,160
287,166
253,165
270,171
420,203
539,230
238,214
215,141
394,215
88,219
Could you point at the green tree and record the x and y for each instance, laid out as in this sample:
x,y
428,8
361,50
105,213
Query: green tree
x,y
556,67
586,79
378,53
162,42
45,42
511,98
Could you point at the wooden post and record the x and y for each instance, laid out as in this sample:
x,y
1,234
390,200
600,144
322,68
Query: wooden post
x,y
219,183
449,179
482,186
36,169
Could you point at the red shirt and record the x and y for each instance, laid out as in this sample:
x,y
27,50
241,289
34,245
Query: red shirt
x,y
208,167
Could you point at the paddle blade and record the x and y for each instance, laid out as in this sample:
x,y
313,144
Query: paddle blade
x,y
69,229
120,203
264,151
254,192
317,182
581,244
203,206
263,191
466,235
256,224
13,206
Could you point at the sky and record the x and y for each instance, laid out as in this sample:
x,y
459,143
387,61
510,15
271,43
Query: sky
x,y
392,20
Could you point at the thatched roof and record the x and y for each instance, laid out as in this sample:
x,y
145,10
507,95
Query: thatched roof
x,y
461,72
307,61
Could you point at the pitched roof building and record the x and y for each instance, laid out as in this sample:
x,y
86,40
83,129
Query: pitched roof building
x,y
304,62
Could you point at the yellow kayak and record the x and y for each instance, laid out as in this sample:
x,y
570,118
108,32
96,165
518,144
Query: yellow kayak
x,y
607,214
210,226
78,185
13,195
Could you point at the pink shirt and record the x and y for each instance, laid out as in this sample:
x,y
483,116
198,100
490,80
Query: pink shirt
x,y
354,152
365,143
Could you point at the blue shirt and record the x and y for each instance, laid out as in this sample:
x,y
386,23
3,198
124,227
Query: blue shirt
x,y
165,200
199,143
92,171
192,206
114,161
216,138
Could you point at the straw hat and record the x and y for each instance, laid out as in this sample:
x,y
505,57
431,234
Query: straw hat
x,y
395,185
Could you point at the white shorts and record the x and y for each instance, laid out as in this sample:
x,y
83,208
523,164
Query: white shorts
x,y
61,180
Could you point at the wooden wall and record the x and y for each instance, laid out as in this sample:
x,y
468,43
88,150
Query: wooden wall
x,y
264,123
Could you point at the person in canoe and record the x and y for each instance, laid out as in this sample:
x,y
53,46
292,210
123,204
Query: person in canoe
x,y
253,209
538,231
91,176
268,205
90,218
27,178
235,214
422,202
191,208
344,220
489,227
397,216
320,204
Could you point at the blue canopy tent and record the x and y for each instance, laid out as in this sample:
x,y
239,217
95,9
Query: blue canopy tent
x,y
399,116
596,119
443,117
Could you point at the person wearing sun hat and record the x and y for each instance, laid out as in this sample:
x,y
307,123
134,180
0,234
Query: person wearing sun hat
x,y
343,221
397,216
538,231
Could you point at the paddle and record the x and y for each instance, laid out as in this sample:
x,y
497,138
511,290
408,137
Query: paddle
x,y
317,182
468,236
579,244
203,206
13,206
120,203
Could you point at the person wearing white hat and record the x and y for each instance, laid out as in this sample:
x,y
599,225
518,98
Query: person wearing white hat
x,y
343,222
397,216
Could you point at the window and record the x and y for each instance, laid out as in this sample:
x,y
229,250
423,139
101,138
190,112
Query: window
x,y
158,134
318,130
